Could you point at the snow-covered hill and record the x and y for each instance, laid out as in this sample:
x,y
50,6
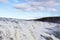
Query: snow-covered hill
x,y
16,29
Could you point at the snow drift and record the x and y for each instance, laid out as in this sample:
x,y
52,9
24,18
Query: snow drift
x,y
16,29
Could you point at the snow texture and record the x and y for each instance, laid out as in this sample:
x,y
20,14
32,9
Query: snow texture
x,y
15,29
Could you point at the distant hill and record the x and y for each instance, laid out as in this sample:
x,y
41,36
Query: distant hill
x,y
49,19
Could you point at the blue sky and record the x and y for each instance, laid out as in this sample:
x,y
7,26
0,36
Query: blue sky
x,y
29,9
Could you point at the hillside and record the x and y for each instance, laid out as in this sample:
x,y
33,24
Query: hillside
x,y
49,19
16,29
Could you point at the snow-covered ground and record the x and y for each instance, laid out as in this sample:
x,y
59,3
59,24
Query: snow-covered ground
x,y
14,29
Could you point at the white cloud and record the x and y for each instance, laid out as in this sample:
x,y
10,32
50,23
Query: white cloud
x,y
27,7
4,1
22,6
37,5
53,9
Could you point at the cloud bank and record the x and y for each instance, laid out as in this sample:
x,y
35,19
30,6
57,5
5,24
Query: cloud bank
x,y
4,1
36,5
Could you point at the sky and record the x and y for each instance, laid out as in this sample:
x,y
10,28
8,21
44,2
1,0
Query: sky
x,y
29,9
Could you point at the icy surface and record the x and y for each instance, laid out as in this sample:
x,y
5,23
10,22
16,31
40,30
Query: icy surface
x,y
14,29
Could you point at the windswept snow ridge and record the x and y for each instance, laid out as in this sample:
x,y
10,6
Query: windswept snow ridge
x,y
14,29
